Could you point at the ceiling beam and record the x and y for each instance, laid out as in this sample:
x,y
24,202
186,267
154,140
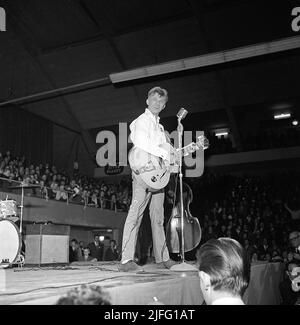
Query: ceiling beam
x,y
198,10
105,28
209,59
44,95
101,37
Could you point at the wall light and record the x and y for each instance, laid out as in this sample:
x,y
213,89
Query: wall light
x,y
282,116
219,134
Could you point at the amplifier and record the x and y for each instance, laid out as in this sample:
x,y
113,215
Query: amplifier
x,y
47,244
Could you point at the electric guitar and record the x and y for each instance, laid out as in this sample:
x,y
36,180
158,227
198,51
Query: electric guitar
x,y
153,171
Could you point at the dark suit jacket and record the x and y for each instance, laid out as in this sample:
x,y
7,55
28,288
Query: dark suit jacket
x,y
74,255
96,251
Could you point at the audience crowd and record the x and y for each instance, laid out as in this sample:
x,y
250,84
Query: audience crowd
x,y
95,251
256,211
272,139
58,185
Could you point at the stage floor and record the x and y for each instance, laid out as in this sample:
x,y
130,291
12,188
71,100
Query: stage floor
x,y
44,285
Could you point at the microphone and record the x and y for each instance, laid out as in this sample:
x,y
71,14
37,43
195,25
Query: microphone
x,y
181,114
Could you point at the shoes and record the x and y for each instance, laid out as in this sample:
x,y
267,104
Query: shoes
x,y
130,266
166,265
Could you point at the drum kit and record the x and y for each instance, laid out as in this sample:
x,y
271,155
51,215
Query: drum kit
x,y
10,233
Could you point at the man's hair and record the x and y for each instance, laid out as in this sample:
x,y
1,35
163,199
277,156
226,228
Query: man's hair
x,y
85,295
158,90
225,260
294,234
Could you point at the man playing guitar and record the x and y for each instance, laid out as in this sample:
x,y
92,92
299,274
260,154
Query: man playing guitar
x,y
147,134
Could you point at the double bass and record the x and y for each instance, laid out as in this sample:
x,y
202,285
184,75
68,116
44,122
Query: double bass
x,y
192,229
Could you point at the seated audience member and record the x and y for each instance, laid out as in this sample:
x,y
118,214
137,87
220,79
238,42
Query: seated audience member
x,y
42,191
294,240
288,294
61,194
224,271
294,275
264,251
96,249
81,246
86,256
85,295
111,253
254,257
296,285
74,251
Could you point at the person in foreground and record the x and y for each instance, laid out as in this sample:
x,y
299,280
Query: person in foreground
x,y
147,134
85,295
224,271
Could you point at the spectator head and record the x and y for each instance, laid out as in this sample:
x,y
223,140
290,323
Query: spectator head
x,y
291,266
228,233
113,244
290,256
284,254
86,252
96,238
224,269
254,257
268,257
74,243
294,239
85,295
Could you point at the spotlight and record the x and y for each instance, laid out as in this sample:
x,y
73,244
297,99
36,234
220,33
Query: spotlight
x,y
295,122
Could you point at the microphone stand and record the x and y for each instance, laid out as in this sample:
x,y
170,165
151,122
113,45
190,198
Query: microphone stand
x,y
182,267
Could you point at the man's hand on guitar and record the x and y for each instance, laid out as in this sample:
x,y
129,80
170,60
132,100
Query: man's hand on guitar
x,y
173,156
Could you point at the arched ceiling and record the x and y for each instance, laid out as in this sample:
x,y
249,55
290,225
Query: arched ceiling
x,y
57,43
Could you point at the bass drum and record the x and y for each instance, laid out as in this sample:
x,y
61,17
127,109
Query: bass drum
x,y
10,243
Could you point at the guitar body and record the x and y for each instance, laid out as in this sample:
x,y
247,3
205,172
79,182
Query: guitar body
x,y
151,170
154,172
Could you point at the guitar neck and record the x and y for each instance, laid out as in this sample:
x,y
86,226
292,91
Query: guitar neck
x,y
192,147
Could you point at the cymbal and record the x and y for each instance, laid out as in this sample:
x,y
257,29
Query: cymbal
x,y
24,186
12,218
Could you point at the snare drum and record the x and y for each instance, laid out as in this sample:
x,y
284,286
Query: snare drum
x,y
8,208
10,242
